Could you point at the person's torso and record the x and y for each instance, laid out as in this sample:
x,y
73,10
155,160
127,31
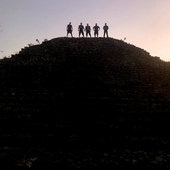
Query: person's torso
x,y
81,27
87,28
96,28
105,28
69,27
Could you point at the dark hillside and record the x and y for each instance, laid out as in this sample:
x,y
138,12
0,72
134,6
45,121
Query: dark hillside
x,y
85,102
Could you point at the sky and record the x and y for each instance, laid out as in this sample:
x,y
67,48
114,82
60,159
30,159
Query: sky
x,y
144,23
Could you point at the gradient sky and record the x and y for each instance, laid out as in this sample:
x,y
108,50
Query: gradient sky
x,y
144,23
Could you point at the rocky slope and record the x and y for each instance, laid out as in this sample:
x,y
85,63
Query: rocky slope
x,y
84,102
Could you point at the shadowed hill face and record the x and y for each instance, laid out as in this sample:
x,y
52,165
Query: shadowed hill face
x,y
86,66
82,101
109,59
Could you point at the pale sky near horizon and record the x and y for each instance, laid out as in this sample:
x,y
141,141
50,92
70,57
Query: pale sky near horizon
x,y
144,23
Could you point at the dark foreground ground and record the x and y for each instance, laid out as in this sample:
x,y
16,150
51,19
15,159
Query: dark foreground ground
x,y
84,104
77,140
121,144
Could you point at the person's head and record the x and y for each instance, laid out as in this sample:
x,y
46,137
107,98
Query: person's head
x,y
81,23
70,23
87,24
106,24
96,24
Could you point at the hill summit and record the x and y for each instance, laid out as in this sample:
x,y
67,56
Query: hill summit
x,y
84,93
85,68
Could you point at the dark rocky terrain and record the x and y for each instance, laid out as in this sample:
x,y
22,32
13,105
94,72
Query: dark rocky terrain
x,y
84,103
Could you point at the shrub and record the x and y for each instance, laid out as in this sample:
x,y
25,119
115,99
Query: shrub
x,y
29,45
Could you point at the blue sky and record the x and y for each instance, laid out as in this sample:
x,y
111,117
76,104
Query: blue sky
x,y
144,23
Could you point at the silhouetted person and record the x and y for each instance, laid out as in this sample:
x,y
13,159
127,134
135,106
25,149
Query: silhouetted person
x,y
105,28
81,29
88,30
69,29
96,29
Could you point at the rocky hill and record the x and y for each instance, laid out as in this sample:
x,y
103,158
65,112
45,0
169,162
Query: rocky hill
x,y
84,103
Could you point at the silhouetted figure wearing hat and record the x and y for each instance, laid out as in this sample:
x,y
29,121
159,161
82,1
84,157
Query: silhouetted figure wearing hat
x,y
81,29
88,30
69,29
96,29
105,28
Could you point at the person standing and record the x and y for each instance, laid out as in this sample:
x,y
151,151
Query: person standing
x,y
105,28
88,30
69,29
96,29
81,29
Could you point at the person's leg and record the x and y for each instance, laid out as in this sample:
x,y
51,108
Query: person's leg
x,y
83,33
95,34
90,34
107,34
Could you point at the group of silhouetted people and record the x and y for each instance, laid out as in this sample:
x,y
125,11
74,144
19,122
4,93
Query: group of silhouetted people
x,y
87,29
